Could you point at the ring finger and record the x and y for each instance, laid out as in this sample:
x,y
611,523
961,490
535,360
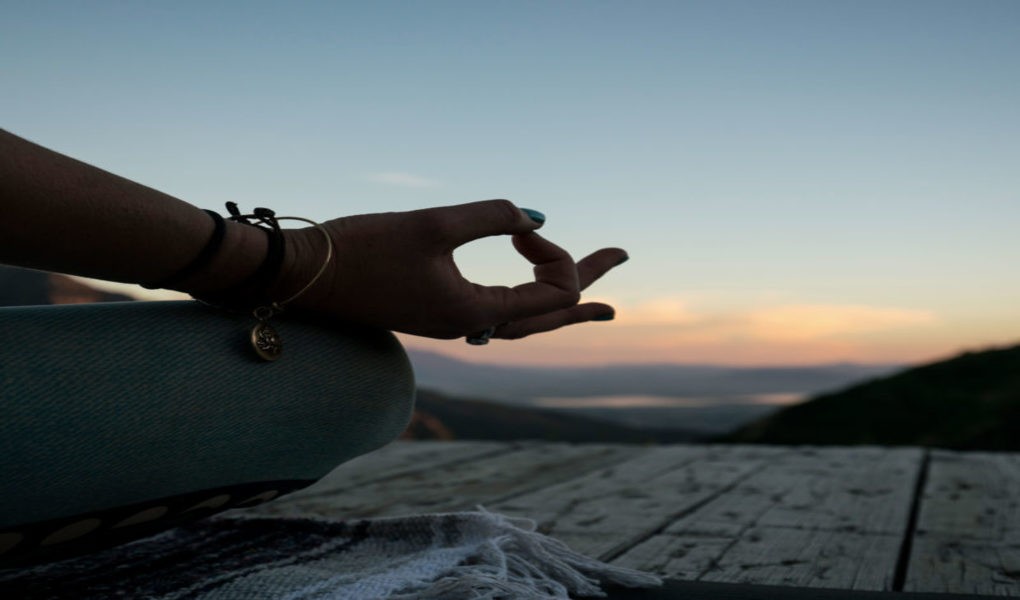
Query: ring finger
x,y
581,313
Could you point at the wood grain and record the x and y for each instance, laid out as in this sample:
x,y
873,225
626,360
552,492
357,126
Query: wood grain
x,y
797,516
612,509
402,459
968,529
812,517
461,485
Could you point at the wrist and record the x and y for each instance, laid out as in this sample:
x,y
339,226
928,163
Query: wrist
x,y
243,250
260,264
305,252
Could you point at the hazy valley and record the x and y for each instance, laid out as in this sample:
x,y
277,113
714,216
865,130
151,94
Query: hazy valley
x,y
696,399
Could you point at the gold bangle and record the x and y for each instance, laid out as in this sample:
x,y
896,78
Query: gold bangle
x,y
265,340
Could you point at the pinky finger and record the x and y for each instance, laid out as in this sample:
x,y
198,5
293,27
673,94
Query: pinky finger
x,y
581,313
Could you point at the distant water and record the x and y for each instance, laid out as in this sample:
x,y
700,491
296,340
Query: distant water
x,y
643,401
705,414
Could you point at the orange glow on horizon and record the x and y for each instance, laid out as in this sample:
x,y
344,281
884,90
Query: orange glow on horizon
x,y
539,353
784,335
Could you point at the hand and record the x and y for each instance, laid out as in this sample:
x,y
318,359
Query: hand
x,y
396,270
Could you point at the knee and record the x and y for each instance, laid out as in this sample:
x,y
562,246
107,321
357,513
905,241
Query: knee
x,y
369,403
389,399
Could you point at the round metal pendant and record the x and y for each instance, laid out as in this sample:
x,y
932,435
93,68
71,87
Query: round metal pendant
x,y
266,341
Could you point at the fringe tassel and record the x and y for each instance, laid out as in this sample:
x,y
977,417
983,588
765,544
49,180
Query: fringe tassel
x,y
521,563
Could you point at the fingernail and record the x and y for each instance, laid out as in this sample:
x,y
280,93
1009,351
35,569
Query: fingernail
x,y
622,260
535,215
605,317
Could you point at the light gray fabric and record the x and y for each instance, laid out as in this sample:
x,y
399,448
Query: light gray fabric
x,y
462,556
111,404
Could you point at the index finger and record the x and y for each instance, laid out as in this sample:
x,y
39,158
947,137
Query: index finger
x,y
463,223
556,282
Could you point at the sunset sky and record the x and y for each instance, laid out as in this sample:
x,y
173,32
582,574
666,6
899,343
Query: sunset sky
x,y
796,182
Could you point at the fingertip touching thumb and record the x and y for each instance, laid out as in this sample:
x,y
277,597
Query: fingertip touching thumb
x,y
534,215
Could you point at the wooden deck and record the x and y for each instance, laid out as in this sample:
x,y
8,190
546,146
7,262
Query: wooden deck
x,y
861,518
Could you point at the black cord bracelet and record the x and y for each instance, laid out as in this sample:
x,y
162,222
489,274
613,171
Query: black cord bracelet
x,y
253,292
254,288
203,258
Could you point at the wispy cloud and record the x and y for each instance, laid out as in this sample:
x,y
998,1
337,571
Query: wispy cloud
x,y
810,322
674,318
675,331
695,329
661,311
402,179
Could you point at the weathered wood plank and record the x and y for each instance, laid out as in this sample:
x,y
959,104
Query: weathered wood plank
x,y
972,495
968,529
809,558
773,556
849,489
940,563
814,517
687,557
459,485
810,517
612,509
401,459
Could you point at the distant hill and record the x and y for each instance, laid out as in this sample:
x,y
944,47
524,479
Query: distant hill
x,y
441,417
707,399
969,402
20,287
518,384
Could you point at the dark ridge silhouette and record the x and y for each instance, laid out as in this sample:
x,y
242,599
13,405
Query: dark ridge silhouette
x,y
970,402
441,417
515,383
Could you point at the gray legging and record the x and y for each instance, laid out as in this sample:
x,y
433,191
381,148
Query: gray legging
x,y
118,420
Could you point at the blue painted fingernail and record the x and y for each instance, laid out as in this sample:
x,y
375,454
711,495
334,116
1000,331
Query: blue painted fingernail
x,y
623,260
535,215
605,317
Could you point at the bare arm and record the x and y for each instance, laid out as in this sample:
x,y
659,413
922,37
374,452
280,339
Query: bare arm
x,y
67,216
392,270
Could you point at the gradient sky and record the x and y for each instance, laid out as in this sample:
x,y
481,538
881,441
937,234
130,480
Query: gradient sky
x,y
796,182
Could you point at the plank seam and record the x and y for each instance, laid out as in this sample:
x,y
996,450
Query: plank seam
x,y
620,550
903,560
714,563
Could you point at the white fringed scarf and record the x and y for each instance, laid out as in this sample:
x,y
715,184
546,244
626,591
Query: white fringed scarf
x,y
469,555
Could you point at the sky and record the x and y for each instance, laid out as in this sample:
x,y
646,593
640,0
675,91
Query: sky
x,y
795,182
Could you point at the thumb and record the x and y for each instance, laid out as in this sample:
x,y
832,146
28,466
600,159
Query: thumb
x,y
460,224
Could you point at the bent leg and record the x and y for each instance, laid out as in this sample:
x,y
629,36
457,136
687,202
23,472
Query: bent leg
x,y
118,420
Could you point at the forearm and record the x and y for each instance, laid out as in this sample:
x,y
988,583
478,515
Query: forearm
x,y
390,270
63,215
